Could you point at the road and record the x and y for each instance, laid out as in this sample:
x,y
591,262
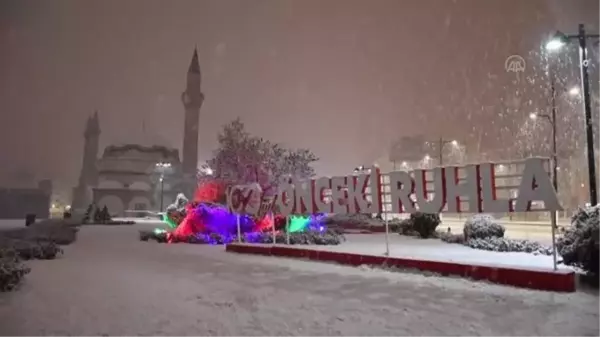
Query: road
x,y
110,283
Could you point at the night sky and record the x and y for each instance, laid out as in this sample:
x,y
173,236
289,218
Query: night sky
x,y
342,77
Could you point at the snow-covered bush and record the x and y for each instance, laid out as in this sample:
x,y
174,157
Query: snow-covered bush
x,y
482,232
425,223
158,236
12,270
26,250
13,251
403,227
297,238
357,220
579,245
38,241
481,226
499,244
59,231
451,238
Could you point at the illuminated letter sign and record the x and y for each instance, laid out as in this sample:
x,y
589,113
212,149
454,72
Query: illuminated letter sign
x,y
349,193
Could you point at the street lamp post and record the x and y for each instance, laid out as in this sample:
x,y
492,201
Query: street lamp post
x,y
557,42
162,191
162,168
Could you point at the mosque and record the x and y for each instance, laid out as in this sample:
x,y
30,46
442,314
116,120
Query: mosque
x,y
133,177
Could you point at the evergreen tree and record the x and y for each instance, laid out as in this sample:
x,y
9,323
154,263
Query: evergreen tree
x,y
105,215
88,213
97,215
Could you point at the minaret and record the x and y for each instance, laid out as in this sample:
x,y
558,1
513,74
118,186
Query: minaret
x,y
192,99
88,177
90,150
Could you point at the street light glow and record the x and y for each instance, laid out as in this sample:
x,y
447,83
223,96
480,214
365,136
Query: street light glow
x,y
574,91
557,41
454,142
426,158
533,116
161,164
555,44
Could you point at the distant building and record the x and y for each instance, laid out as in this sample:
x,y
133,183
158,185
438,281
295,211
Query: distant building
x,y
126,176
15,203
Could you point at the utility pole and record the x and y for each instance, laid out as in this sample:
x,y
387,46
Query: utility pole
x,y
589,128
553,215
554,149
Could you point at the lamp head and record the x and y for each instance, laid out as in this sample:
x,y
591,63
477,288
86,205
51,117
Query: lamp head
x,y
557,41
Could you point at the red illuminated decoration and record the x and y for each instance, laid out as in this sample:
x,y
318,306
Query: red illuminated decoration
x,y
206,213
210,191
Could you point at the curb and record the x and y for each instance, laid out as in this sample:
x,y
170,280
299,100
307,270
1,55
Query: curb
x,y
549,280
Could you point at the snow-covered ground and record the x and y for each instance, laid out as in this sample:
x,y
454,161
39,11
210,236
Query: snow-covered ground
x,y
431,249
400,246
436,250
110,283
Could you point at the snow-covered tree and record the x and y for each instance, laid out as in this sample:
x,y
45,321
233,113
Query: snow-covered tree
x,y
242,158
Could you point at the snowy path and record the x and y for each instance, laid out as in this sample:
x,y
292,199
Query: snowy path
x,y
111,283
